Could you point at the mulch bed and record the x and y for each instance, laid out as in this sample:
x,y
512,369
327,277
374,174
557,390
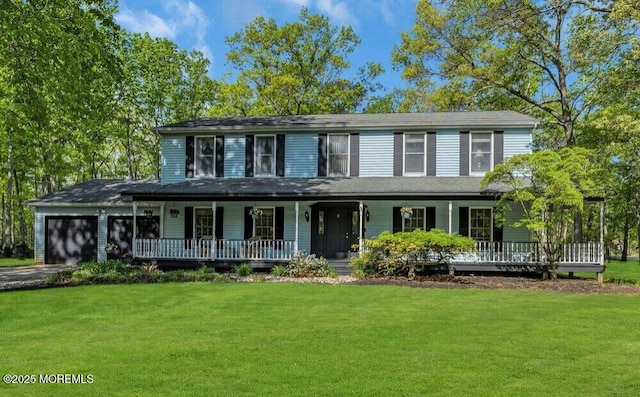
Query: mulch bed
x,y
569,286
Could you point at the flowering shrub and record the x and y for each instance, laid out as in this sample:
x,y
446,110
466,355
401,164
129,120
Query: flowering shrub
x,y
309,266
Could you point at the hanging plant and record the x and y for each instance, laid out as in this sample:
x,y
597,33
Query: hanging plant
x,y
406,212
174,212
255,212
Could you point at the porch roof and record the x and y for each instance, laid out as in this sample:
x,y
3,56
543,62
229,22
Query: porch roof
x,y
316,188
358,121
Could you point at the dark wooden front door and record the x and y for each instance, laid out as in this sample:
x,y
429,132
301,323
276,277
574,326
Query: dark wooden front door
x,y
334,229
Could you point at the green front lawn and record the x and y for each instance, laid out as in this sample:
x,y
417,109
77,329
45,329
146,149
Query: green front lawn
x,y
231,339
14,262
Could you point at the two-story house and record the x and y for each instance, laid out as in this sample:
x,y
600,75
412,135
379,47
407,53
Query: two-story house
x,y
261,189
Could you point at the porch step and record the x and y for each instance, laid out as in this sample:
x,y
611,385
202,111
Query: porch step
x,y
341,265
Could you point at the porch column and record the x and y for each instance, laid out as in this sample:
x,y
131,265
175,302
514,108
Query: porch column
x,y
297,228
162,220
214,207
135,229
450,213
600,276
360,239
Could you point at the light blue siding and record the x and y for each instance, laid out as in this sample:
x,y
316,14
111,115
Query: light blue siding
x,y
447,153
516,142
376,154
234,156
173,158
301,156
512,233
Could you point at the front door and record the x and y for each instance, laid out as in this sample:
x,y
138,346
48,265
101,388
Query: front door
x,y
335,229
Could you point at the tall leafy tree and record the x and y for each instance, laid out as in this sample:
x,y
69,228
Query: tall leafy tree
x,y
56,77
296,68
541,57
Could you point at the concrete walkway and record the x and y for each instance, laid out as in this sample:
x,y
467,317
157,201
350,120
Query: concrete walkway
x,y
29,273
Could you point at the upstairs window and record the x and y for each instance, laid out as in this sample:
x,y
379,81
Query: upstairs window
x,y
480,223
481,155
205,154
338,155
265,156
414,154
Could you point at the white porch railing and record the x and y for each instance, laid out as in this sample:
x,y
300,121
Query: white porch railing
x,y
203,249
529,253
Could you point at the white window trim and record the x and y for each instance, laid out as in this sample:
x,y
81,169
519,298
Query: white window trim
x,y
195,223
490,227
424,218
255,157
348,173
491,164
274,221
404,155
195,156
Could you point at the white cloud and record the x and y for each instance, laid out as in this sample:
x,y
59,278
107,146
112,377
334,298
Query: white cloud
x,y
145,21
337,11
387,13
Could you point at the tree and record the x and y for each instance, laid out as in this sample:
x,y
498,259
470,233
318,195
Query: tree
x,y
541,57
550,187
297,68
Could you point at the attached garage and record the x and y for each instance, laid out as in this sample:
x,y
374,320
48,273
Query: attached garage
x,y
71,239
120,232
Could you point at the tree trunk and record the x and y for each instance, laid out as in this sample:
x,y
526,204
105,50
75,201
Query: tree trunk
x,y
7,242
22,224
625,238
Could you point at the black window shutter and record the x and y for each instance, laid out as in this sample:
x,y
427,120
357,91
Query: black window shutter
x,y
397,220
497,231
322,154
463,221
219,223
464,153
248,160
190,156
431,154
354,154
188,225
248,223
430,218
280,155
498,147
398,153
219,156
279,224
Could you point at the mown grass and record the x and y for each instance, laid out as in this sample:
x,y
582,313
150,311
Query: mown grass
x,y
617,271
15,262
234,339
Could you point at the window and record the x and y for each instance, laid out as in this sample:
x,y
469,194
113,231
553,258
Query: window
x,y
338,155
264,224
480,223
415,221
203,222
205,156
481,160
414,154
265,151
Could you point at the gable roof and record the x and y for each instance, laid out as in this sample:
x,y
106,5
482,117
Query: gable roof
x,y
95,192
360,121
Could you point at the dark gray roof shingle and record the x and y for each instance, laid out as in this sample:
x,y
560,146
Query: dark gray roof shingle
x,y
360,121
96,191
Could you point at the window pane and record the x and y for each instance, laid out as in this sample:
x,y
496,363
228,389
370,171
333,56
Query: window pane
x,y
265,159
416,221
338,153
205,156
203,221
414,153
480,153
480,224
264,224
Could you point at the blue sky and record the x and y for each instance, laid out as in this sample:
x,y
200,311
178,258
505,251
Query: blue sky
x,y
204,24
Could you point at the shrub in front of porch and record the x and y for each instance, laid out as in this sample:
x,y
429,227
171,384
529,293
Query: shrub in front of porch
x,y
304,265
405,254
